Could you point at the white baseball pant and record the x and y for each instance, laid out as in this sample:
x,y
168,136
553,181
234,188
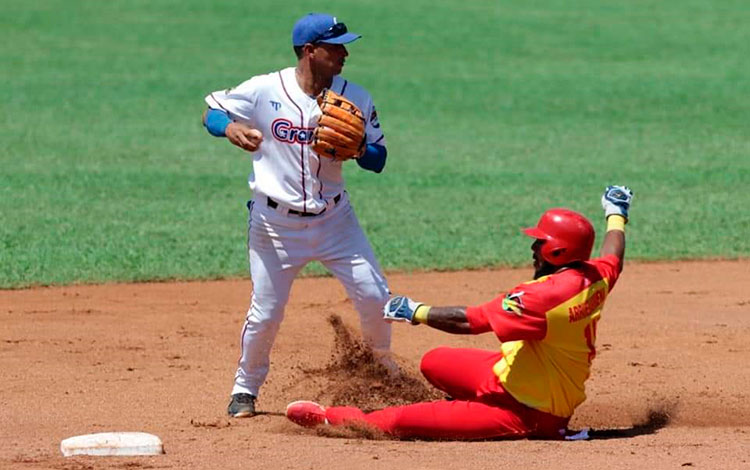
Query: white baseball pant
x,y
279,246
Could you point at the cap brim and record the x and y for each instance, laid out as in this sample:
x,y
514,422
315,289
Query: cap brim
x,y
345,38
534,232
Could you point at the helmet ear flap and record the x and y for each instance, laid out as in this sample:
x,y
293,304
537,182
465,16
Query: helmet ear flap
x,y
556,255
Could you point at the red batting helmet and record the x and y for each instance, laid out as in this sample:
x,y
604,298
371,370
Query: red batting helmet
x,y
568,236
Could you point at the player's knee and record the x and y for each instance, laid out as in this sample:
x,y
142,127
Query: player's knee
x,y
266,316
434,360
372,301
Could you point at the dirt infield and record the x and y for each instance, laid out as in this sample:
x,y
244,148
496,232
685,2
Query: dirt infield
x,y
670,387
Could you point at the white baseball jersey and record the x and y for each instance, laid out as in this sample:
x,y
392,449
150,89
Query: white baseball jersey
x,y
285,168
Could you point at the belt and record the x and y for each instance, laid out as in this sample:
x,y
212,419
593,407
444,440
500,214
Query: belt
x,y
273,205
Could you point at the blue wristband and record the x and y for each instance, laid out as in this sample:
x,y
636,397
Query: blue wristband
x,y
217,122
374,158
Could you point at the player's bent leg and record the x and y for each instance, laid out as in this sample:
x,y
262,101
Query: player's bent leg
x,y
454,420
349,256
368,291
462,373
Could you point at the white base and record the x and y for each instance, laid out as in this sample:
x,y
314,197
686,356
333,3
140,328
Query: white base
x,y
112,443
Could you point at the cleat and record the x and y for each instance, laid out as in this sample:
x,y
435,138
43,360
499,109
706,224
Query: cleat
x,y
306,413
241,406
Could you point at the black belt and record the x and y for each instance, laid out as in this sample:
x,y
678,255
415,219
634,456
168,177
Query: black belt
x,y
273,205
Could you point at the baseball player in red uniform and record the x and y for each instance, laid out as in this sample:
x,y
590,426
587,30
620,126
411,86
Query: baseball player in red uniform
x,y
300,211
547,329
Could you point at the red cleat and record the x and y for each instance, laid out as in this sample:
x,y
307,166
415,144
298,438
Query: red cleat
x,y
306,413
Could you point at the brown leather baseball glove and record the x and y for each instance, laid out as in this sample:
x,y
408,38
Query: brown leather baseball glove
x,y
340,133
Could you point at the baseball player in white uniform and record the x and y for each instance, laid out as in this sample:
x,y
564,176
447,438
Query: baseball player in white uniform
x,y
300,211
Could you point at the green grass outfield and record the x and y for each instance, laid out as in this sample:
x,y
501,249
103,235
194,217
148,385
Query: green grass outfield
x,y
494,111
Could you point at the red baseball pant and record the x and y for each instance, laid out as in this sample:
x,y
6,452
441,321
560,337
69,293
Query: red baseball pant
x,y
480,409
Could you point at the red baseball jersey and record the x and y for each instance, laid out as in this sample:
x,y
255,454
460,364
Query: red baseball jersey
x,y
548,331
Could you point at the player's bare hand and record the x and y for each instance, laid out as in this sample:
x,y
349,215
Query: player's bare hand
x,y
243,136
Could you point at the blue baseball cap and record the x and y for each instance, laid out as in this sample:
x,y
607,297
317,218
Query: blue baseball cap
x,y
320,27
